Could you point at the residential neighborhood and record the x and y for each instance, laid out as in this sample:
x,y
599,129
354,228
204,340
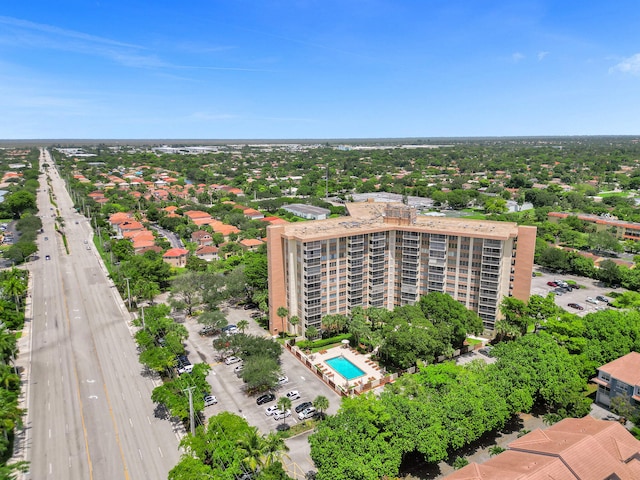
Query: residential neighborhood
x,y
260,292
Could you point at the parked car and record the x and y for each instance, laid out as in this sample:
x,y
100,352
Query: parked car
x,y
238,368
266,398
226,328
183,359
184,369
210,400
232,359
271,410
207,330
592,300
47,257
280,415
293,395
303,406
307,413
552,284
600,298
558,291
577,306
283,379
486,351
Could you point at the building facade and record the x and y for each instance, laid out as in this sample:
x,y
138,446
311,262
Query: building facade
x,y
619,377
385,255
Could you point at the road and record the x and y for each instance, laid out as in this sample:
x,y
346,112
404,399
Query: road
x,y
90,414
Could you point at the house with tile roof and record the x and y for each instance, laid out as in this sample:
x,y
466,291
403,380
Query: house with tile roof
x,y
250,244
141,240
208,253
274,220
572,449
619,377
253,214
176,257
202,237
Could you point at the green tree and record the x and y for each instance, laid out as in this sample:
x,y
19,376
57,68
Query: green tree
x,y
282,312
242,325
294,321
284,404
19,202
609,273
321,403
311,332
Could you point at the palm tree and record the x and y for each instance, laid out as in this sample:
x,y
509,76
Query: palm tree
x,y
284,404
8,347
282,312
251,446
321,403
242,324
294,321
311,332
14,287
274,448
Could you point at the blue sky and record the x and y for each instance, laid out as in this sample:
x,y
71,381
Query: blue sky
x,y
241,69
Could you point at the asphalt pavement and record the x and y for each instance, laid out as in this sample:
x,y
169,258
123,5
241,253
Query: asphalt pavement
x,y
89,411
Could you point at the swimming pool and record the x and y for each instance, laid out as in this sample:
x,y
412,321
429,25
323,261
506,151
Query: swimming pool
x,y
344,367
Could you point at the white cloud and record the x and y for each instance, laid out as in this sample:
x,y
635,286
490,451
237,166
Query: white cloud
x,y
517,56
541,55
628,65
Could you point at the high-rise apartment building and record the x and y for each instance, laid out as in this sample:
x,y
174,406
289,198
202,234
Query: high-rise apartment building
x,y
385,255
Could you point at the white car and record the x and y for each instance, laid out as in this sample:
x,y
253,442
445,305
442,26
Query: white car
x,y
185,369
230,360
307,413
210,400
238,368
271,410
280,415
592,300
293,395
282,380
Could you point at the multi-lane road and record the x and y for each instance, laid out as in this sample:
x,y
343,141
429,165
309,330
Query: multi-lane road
x,y
90,414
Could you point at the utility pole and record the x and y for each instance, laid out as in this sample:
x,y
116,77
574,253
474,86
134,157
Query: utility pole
x,y
191,419
128,292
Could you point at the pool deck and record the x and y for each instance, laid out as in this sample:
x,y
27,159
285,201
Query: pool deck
x,y
372,371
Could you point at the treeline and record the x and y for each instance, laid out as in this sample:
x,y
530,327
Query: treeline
x,y
13,288
431,415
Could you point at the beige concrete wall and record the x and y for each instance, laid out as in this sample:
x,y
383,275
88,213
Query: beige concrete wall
x,y
277,292
524,262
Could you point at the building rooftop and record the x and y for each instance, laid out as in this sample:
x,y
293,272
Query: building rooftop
x,y
307,209
369,217
574,448
626,369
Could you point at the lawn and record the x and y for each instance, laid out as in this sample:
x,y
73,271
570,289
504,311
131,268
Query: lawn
x,y
613,194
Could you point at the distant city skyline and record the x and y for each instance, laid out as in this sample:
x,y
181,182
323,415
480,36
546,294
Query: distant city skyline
x,y
315,70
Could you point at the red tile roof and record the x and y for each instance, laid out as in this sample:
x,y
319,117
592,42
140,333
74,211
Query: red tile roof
x,y
626,369
175,252
574,448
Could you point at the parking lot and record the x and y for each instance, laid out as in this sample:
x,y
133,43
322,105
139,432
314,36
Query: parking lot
x,y
589,288
229,388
